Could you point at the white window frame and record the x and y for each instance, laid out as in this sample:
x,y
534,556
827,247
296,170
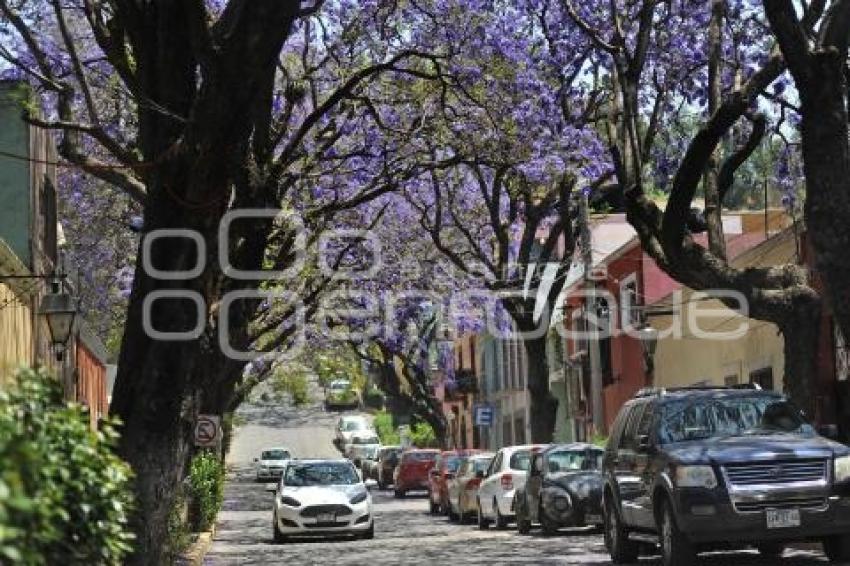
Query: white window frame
x,y
627,308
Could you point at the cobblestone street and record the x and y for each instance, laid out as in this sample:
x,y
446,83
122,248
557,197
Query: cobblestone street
x,y
405,532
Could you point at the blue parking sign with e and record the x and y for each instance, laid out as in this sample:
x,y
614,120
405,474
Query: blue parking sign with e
x,y
484,415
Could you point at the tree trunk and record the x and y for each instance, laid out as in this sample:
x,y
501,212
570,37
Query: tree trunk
x,y
826,158
544,405
157,388
801,335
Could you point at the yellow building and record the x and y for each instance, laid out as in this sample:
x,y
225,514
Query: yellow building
x,y
706,343
17,340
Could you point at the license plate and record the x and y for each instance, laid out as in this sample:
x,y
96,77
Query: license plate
x,y
326,518
783,518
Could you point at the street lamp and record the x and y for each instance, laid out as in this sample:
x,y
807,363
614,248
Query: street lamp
x,y
59,311
648,337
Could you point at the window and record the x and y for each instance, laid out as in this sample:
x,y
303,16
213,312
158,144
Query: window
x,y
645,425
496,464
521,460
48,213
629,315
330,473
619,425
763,377
275,455
603,314
732,416
519,430
627,441
572,460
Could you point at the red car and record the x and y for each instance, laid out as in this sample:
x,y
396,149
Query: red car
x,y
444,469
411,474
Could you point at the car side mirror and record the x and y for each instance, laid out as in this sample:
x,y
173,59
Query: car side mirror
x,y
271,487
643,443
829,431
370,484
256,459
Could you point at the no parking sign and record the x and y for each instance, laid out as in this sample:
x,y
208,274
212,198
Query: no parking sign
x,y
207,431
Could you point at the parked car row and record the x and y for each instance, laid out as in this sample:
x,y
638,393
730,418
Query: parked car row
x,y
555,486
684,471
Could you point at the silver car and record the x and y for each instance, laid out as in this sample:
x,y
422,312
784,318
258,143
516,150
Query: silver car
x,y
270,464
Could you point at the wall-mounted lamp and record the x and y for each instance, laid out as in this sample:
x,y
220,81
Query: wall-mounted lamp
x,y
58,308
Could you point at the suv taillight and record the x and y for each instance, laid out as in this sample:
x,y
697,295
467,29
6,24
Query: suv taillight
x,y
507,481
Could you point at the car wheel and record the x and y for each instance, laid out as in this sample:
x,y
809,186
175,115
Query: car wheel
x,y
399,494
621,549
276,534
483,524
501,522
523,525
547,525
433,508
676,550
771,549
370,534
837,548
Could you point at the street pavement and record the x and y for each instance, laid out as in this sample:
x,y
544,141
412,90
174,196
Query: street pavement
x,y
404,531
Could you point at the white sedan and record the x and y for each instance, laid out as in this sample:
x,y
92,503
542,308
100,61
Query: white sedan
x,y
506,474
360,446
270,464
348,426
324,498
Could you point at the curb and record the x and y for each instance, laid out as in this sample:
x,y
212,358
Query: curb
x,y
194,555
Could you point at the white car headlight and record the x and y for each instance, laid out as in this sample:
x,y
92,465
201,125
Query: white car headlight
x,y
696,476
842,469
359,498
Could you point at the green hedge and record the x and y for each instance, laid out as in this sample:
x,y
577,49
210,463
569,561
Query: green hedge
x,y
206,483
64,494
422,435
383,423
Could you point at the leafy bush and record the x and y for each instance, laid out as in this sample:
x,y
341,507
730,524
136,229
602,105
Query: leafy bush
x,y
422,435
206,483
383,423
64,494
293,383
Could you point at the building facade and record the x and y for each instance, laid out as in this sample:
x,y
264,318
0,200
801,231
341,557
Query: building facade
x,y
30,261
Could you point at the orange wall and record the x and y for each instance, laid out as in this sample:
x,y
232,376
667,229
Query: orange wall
x,y
91,383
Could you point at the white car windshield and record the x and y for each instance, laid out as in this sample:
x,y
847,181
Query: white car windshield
x,y
325,473
275,455
349,426
339,385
